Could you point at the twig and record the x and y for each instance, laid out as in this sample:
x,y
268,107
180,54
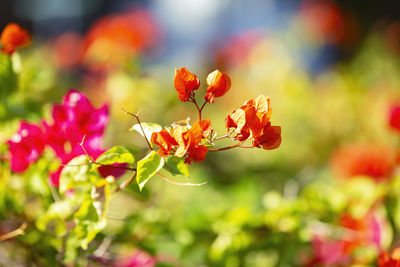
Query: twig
x,y
140,125
54,193
97,163
84,150
16,232
126,182
102,249
197,106
223,136
92,161
177,183
225,148
202,106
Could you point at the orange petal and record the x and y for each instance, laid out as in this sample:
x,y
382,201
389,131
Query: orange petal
x,y
197,153
261,104
183,139
218,84
185,83
14,37
165,141
396,254
196,132
270,138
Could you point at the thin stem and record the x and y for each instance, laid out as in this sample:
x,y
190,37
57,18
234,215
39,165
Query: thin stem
x,y
223,136
177,183
202,106
140,125
197,106
225,148
84,150
115,166
126,183
54,194
16,232
94,162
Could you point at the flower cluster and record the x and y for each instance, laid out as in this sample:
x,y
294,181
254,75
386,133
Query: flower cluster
x,y
112,37
182,141
394,117
72,121
14,37
186,83
26,146
375,161
393,260
252,120
355,233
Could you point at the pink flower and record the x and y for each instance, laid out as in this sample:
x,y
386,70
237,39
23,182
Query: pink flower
x,y
73,120
25,146
356,233
138,259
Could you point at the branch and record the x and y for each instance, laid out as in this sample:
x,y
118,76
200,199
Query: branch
x,y
177,183
226,148
140,125
223,136
197,106
16,232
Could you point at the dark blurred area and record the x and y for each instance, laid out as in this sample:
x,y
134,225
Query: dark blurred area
x,y
207,21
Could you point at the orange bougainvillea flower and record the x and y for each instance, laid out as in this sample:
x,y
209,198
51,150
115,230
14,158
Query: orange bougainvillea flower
x,y
375,161
196,154
114,38
270,137
206,128
183,142
393,260
218,84
14,37
165,141
185,83
252,120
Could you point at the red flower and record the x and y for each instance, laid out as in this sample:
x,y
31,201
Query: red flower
x,y
114,37
252,121
393,260
25,146
185,83
218,84
14,37
375,161
394,118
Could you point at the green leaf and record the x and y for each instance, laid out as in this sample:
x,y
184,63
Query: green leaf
x,y
148,167
76,174
8,78
54,218
177,166
85,231
86,211
116,154
148,128
88,223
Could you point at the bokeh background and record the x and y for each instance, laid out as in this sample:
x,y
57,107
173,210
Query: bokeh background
x,y
331,68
